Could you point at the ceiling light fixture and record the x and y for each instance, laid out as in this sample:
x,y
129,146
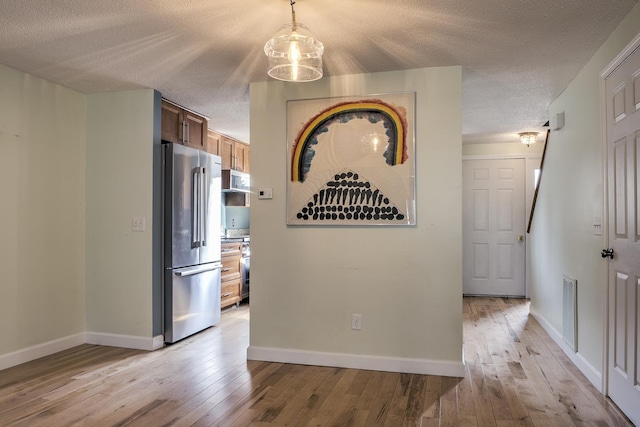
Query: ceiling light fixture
x,y
295,55
528,138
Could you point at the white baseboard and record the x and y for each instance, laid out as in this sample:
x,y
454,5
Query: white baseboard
x,y
158,342
125,341
358,361
41,350
46,349
592,374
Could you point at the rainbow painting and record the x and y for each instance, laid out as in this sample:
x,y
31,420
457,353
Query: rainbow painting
x,y
373,110
351,160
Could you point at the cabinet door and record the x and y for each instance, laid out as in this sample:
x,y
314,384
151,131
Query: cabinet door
x,y
241,157
196,128
213,143
171,122
227,153
247,149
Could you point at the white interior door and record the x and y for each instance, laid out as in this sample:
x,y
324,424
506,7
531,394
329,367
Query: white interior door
x,y
493,227
623,160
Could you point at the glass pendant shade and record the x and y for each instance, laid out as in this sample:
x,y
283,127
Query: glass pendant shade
x,y
294,54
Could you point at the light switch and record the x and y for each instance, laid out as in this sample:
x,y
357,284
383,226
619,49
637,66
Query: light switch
x,y
265,193
597,226
137,223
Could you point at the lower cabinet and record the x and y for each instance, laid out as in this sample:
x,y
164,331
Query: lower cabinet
x,y
230,292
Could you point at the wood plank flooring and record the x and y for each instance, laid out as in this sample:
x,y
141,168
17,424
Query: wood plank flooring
x,y
515,376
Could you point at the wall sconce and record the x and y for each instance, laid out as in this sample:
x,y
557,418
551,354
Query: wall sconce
x,y
295,55
528,138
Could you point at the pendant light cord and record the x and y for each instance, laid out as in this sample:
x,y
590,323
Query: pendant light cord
x,y
293,15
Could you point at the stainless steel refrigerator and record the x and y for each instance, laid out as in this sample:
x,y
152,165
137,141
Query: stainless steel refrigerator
x,y
192,181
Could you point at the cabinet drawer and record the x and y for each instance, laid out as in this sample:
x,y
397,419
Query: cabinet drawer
x,y
229,249
229,289
230,293
230,268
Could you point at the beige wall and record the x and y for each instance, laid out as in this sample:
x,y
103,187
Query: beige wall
x,y
119,186
405,281
74,170
42,214
570,197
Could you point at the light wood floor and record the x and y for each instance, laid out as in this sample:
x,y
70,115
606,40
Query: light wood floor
x,y
516,375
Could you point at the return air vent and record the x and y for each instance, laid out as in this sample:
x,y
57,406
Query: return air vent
x,y
569,313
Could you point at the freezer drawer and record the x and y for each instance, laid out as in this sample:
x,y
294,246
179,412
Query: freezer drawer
x,y
192,300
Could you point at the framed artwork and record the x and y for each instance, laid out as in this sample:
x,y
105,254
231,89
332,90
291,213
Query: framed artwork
x,y
351,160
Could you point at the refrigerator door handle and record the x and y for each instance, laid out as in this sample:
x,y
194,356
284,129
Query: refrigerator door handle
x,y
195,209
189,271
204,206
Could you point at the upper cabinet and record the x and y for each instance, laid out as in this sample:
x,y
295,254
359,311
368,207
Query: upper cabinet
x,y
182,126
213,142
185,127
234,153
226,152
241,156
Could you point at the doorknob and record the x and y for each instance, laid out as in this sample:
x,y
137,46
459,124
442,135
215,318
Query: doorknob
x,y
520,238
607,253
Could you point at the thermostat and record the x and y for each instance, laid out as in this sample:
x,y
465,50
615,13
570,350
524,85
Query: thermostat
x,y
265,193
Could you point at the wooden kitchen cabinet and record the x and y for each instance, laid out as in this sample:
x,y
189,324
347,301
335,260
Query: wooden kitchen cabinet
x,y
241,156
182,126
226,152
230,291
170,122
235,154
213,142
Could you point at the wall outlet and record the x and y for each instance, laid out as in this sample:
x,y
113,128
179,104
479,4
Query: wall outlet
x,y
356,322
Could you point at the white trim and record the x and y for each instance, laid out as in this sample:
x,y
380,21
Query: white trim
x,y
605,231
622,56
125,341
581,363
501,156
358,361
158,342
608,70
41,350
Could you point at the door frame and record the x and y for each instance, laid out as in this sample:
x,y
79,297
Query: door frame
x,y
609,69
531,162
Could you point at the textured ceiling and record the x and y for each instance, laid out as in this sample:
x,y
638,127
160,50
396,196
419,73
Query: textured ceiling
x,y
517,55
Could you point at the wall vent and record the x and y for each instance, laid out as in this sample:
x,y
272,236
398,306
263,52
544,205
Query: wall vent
x,y
570,313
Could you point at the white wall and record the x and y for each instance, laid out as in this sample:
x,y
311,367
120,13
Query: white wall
x,y
119,286
405,281
42,212
570,197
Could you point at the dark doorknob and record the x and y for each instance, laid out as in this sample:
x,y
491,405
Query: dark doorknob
x,y
607,253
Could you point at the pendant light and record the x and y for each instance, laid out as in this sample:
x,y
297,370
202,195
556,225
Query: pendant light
x,y
295,55
528,138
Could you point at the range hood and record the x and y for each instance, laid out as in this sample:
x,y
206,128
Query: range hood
x,y
233,180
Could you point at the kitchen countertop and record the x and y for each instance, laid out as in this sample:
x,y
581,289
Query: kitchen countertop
x,y
244,238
